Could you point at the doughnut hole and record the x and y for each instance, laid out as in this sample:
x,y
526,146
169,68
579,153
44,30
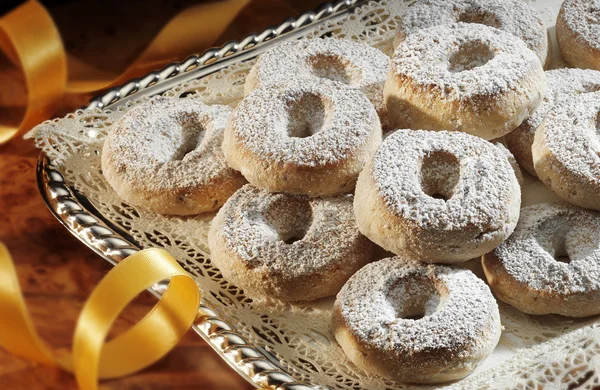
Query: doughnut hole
x,y
335,68
479,17
307,115
289,219
470,55
192,134
413,298
440,174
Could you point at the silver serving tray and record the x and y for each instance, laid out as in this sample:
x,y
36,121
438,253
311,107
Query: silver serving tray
x,y
80,218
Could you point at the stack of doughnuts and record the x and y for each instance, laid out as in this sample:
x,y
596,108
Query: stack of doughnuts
x,y
310,121
440,188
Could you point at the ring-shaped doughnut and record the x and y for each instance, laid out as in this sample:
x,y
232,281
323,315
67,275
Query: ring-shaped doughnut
x,y
525,273
289,247
308,138
416,322
440,197
577,33
463,77
165,155
562,83
566,150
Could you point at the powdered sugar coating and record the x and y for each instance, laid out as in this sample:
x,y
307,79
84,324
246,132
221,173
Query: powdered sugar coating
x,y
292,135
249,243
511,160
479,196
461,323
562,84
512,16
582,17
166,155
424,57
463,77
548,230
566,150
482,203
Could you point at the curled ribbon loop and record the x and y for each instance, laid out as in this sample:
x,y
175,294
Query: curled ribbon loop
x,y
29,38
93,357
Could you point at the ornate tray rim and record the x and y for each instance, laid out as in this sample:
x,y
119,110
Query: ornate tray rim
x,y
252,362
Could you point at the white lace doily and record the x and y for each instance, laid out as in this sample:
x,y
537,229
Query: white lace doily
x,y
534,352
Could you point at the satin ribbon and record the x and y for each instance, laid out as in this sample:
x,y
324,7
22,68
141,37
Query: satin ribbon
x,y
92,356
30,39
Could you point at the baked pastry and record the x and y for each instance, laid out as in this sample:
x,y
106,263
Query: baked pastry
x,y
351,63
551,263
566,150
416,322
463,77
288,247
562,83
512,16
577,33
165,156
440,197
512,161
308,138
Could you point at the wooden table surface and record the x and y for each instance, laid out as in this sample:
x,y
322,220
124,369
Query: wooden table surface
x,y
56,271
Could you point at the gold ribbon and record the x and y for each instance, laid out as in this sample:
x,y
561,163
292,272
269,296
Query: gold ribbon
x,y
93,357
30,39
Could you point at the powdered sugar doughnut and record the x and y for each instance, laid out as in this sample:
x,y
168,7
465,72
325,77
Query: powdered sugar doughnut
x,y
440,197
566,150
512,16
308,138
463,77
525,273
289,247
351,63
416,322
165,155
578,34
562,83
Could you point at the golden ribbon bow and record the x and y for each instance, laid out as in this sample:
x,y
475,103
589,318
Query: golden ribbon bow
x,y
92,358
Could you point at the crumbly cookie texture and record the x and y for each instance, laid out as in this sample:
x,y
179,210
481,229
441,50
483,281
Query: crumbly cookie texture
x,y
308,138
350,63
